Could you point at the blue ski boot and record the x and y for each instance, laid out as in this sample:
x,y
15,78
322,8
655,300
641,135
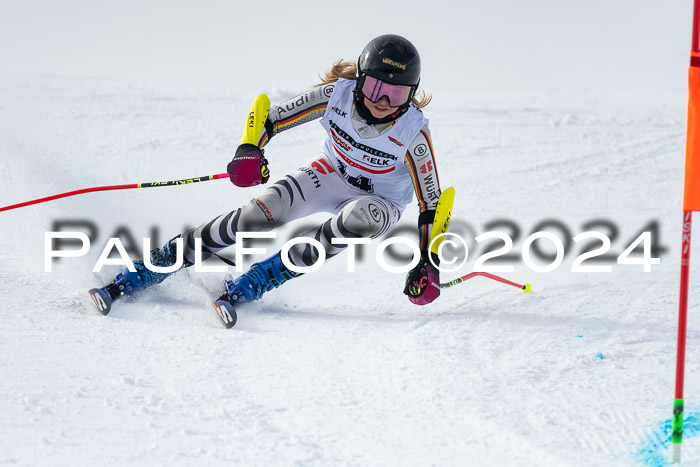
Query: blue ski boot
x,y
262,277
127,282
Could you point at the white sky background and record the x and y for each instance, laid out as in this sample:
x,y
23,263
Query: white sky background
x,y
602,46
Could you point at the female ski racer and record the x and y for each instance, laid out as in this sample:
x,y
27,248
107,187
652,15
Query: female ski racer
x,y
378,153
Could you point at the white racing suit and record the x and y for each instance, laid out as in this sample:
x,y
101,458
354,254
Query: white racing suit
x,y
365,176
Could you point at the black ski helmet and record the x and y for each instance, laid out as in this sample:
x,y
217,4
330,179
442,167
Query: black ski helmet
x,y
392,59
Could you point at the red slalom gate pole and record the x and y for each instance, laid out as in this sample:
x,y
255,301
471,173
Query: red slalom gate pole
x,y
695,45
691,202
185,181
677,425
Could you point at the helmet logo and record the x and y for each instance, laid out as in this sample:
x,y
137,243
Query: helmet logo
x,y
389,61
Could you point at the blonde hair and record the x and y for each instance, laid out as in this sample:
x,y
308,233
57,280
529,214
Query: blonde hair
x,y
347,70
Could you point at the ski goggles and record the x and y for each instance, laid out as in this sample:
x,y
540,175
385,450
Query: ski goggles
x,y
374,89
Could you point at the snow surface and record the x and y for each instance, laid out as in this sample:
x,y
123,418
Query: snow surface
x,y
337,368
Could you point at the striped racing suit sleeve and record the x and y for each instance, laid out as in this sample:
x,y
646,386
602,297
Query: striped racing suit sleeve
x,y
303,108
420,159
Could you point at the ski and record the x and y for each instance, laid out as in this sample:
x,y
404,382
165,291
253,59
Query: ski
x,y
224,309
226,312
101,299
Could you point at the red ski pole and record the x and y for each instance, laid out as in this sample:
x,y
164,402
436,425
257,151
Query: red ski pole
x,y
524,287
185,181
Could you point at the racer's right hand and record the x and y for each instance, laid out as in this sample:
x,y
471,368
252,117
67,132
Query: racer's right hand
x,y
248,167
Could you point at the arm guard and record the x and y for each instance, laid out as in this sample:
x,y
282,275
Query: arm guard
x,y
257,117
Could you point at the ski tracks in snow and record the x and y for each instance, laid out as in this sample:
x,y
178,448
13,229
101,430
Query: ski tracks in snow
x,y
335,369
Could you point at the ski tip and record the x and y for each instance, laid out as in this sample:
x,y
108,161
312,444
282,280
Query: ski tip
x,y
226,312
102,300
527,287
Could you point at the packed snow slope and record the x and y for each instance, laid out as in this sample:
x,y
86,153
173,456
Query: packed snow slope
x,y
338,368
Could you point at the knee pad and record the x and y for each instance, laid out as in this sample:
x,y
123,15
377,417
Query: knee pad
x,y
366,217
